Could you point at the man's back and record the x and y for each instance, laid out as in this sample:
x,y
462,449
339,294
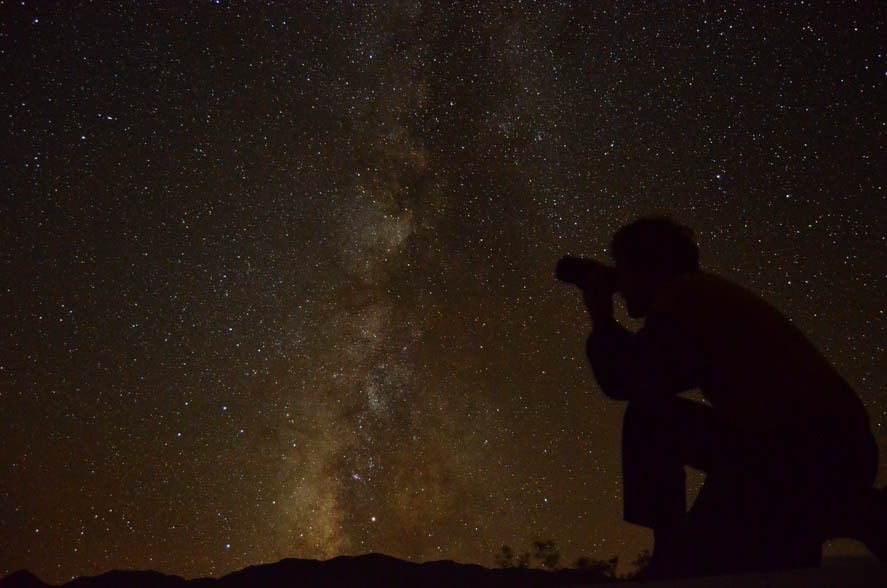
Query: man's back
x,y
762,373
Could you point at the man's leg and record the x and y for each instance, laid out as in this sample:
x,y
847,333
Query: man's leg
x,y
767,497
726,530
843,502
658,440
764,500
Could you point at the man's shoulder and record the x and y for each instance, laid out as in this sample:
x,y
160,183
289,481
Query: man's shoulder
x,y
704,296
703,302
688,289
702,279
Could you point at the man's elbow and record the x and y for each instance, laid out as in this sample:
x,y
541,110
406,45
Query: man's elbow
x,y
617,394
646,389
613,390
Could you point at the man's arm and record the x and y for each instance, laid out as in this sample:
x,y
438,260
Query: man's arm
x,y
658,361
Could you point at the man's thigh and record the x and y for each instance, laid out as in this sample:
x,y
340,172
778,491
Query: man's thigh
x,y
676,430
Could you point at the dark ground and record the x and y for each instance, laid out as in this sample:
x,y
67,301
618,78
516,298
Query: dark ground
x,y
365,571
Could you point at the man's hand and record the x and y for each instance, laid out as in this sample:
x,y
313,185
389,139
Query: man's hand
x,y
598,282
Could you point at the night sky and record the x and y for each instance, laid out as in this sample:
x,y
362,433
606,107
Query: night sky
x,y
277,279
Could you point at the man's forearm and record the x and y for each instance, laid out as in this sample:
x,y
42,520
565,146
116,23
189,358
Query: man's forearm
x,y
610,352
599,304
658,361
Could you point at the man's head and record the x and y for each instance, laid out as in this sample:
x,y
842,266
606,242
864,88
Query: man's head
x,y
648,253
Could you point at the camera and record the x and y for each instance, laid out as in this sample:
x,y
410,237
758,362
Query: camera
x,y
583,272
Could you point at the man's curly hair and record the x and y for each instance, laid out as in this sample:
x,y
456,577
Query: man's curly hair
x,y
656,244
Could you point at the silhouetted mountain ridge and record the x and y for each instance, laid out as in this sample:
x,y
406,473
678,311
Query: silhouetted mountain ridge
x,y
365,571
21,579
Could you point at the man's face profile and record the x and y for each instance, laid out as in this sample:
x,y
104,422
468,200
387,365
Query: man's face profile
x,y
637,289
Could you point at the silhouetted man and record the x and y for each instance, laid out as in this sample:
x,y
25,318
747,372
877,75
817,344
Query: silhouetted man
x,y
785,442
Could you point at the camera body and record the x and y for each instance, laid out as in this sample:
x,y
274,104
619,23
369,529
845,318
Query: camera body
x,y
584,272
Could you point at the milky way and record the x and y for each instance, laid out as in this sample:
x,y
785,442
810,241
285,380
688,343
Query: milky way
x,y
277,280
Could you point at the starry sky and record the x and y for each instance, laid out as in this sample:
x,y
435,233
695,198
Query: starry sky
x,y
277,278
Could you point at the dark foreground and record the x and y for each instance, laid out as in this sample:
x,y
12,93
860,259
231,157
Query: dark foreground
x,y
365,571
370,571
